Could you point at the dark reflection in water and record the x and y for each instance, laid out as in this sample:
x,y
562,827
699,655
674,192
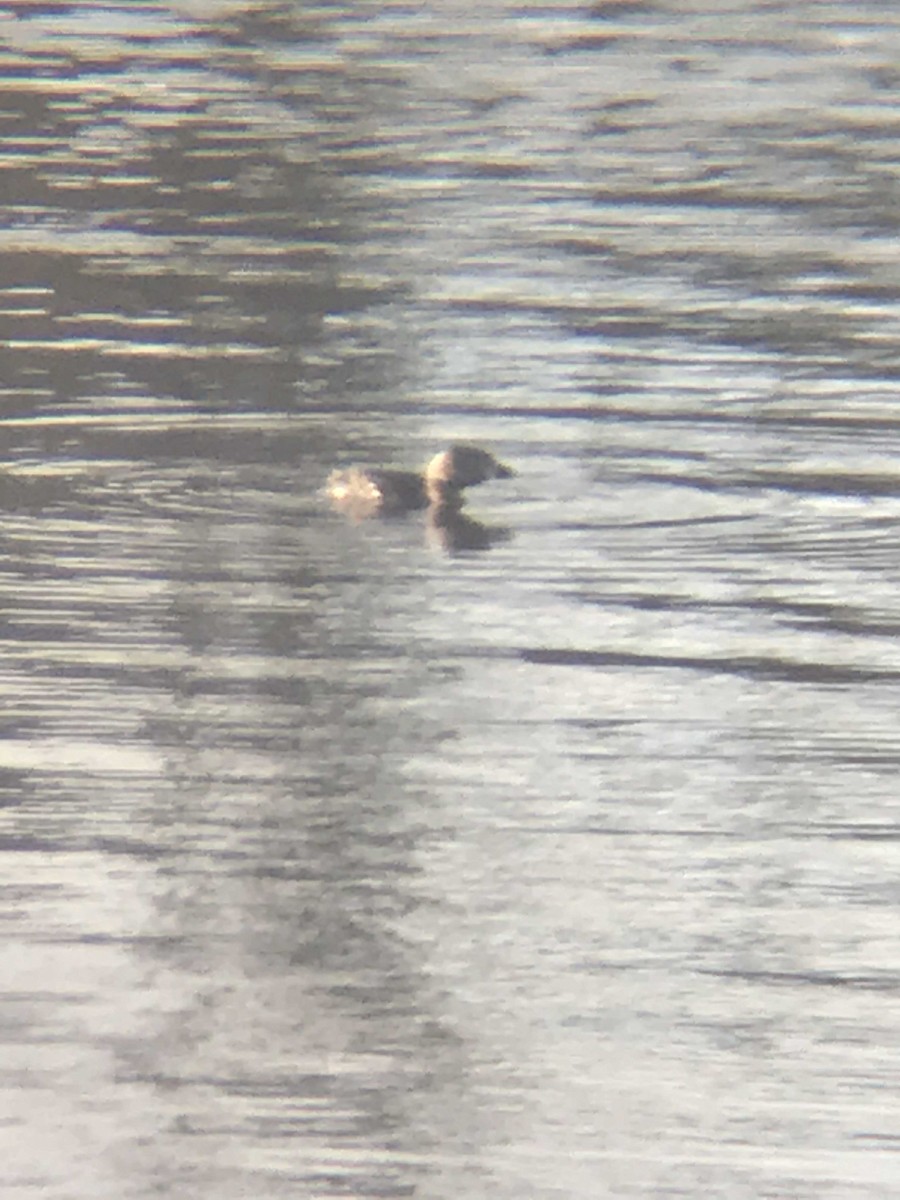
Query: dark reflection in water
x,y
324,870
456,532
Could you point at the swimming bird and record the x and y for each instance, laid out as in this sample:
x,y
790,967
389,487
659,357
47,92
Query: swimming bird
x,y
378,491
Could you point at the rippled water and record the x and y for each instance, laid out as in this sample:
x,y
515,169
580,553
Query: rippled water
x,y
349,859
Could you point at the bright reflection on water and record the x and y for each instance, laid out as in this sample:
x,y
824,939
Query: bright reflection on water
x,y
352,859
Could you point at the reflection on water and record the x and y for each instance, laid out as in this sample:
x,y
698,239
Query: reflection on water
x,y
455,532
333,865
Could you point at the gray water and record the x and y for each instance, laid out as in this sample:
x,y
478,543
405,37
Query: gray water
x,y
338,860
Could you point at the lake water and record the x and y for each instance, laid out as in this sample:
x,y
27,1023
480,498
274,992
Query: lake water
x,y
348,859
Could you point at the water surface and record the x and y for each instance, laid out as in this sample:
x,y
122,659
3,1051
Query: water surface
x,y
338,860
